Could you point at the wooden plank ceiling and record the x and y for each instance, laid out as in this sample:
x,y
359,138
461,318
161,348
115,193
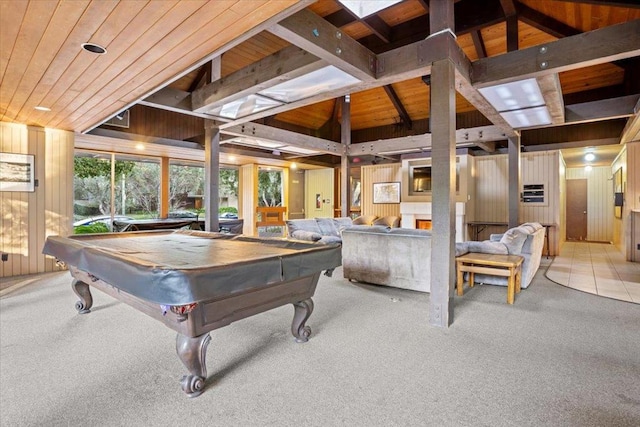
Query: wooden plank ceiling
x,y
159,46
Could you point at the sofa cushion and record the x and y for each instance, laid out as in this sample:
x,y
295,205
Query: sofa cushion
x,y
342,222
513,239
306,235
327,227
365,220
462,248
302,224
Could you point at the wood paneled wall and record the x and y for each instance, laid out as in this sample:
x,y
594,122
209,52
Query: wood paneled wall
x,y
600,216
151,121
491,176
379,173
629,160
319,182
28,218
248,186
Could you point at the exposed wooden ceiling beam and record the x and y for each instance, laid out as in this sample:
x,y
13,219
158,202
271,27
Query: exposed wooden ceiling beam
x,y
378,26
483,135
286,64
175,100
397,103
605,45
552,94
268,133
544,22
310,32
605,109
478,43
631,131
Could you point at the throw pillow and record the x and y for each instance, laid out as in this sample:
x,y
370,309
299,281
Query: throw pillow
x,y
327,240
302,224
364,220
306,235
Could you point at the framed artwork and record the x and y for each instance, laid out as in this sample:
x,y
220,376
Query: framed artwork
x,y
355,193
618,194
17,172
318,201
386,192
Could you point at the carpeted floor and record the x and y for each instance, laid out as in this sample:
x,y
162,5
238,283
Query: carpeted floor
x,y
557,357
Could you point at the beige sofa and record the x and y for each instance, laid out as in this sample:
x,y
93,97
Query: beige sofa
x,y
526,240
398,257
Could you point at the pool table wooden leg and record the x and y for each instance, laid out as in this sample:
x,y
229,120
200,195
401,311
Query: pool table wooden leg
x,y
192,353
303,310
86,300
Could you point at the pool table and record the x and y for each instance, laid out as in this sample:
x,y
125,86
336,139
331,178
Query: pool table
x,y
196,281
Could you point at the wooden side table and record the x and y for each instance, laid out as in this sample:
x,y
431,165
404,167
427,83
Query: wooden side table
x,y
509,266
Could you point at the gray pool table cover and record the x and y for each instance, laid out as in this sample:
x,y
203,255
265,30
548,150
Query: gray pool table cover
x,y
184,266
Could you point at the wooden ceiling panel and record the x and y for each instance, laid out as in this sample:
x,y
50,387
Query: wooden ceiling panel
x,y
466,43
402,12
312,116
414,96
494,39
371,108
356,30
148,45
325,7
222,30
583,17
250,51
593,77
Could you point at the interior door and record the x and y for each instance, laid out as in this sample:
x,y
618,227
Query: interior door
x,y
576,219
296,194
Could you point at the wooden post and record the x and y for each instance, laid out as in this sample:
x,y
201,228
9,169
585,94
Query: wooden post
x,y
345,139
443,160
514,181
211,176
164,187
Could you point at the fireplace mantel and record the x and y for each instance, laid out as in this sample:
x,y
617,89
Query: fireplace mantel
x,y
411,211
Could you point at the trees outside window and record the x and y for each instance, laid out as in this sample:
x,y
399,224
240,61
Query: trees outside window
x,y
269,187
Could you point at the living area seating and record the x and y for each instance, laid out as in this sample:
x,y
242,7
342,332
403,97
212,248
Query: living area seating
x,y
328,230
398,257
526,240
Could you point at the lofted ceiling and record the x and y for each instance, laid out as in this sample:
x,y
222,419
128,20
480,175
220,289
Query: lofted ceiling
x,y
189,57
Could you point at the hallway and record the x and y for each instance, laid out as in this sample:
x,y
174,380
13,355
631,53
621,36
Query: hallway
x,y
596,268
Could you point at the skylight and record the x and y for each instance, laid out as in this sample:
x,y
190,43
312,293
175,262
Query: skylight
x,y
323,80
362,8
245,106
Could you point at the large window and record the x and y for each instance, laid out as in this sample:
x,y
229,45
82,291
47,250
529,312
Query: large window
x,y
129,186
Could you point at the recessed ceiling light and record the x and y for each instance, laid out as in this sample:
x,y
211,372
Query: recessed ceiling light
x,y
140,147
293,165
41,108
589,157
94,48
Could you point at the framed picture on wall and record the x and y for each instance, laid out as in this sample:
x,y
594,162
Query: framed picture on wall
x,y
318,201
386,192
17,172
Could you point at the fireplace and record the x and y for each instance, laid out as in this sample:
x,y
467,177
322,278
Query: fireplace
x,y
423,224
412,212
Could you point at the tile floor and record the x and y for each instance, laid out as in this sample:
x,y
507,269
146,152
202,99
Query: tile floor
x,y
597,268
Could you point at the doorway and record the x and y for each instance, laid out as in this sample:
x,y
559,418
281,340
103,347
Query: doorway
x,y
576,216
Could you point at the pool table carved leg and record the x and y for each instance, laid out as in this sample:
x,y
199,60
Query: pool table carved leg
x,y
86,300
192,353
303,310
